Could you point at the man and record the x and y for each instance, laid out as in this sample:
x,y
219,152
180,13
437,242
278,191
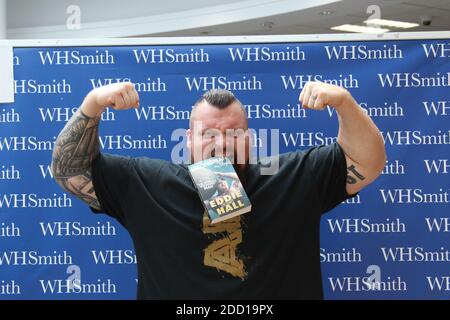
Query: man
x,y
271,252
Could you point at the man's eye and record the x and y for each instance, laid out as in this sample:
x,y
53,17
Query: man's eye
x,y
207,135
237,134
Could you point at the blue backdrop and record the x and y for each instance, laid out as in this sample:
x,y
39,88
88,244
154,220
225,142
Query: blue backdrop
x,y
390,242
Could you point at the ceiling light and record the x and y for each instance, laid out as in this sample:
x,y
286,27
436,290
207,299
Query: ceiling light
x,y
326,13
361,29
267,24
391,23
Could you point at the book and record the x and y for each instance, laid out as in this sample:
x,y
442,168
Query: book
x,y
219,188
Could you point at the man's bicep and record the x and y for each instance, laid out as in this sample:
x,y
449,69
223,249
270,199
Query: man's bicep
x,y
82,187
357,176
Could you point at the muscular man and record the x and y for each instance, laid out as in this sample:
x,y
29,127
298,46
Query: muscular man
x,y
271,252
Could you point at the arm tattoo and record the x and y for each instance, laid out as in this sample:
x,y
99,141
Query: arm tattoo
x,y
353,180
76,147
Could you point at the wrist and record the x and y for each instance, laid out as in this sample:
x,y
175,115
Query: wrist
x,y
90,106
346,101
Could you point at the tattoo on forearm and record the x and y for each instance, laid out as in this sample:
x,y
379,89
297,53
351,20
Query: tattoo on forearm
x,y
357,175
76,147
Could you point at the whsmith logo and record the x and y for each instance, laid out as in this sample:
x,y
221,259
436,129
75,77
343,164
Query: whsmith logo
x,y
75,229
9,230
361,52
31,86
127,142
9,116
345,255
415,137
298,81
306,139
437,166
365,225
171,56
438,224
406,196
263,54
150,85
244,83
372,282
10,287
26,143
114,256
437,108
413,80
32,200
33,258
358,284
161,113
68,286
393,168
388,110
58,114
415,254
267,111
436,50
439,283
66,57
9,173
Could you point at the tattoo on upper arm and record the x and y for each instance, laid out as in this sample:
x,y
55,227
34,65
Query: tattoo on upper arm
x,y
76,147
352,179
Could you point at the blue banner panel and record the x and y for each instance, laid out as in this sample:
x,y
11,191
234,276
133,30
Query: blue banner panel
x,y
391,241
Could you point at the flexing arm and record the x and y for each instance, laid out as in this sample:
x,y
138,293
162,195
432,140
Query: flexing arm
x,y
358,136
78,144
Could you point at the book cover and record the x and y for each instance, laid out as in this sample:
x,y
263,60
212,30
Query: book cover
x,y
219,188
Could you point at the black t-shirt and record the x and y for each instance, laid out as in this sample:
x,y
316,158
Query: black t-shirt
x,y
271,252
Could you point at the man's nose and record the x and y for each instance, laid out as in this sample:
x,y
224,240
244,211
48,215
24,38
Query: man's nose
x,y
223,141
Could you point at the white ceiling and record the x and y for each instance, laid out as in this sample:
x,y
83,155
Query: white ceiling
x,y
139,18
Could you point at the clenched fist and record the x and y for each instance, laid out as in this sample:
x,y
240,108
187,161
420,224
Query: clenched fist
x,y
317,95
119,96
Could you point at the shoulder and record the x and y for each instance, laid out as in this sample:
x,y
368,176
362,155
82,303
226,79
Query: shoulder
x,y
313,153
105,161
159,168
305,160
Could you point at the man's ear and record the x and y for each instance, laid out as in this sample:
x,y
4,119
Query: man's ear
x,y
189,138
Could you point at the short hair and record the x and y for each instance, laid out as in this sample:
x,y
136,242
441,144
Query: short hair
x,y
219,98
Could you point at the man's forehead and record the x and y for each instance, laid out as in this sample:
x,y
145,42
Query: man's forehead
x,y
209,116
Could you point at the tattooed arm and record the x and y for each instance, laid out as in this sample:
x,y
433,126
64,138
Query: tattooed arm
x,y
362,143
76,147
358,136
78,144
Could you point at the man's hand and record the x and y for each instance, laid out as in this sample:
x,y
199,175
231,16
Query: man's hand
x,y
120,96
317,95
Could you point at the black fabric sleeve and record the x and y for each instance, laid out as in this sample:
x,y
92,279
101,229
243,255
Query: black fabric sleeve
x,y
329,168
110,177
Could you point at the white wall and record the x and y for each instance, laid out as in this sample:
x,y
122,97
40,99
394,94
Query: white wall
x,y
2,19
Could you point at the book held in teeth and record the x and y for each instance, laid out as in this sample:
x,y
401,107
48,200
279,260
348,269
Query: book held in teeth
x,y
219,188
